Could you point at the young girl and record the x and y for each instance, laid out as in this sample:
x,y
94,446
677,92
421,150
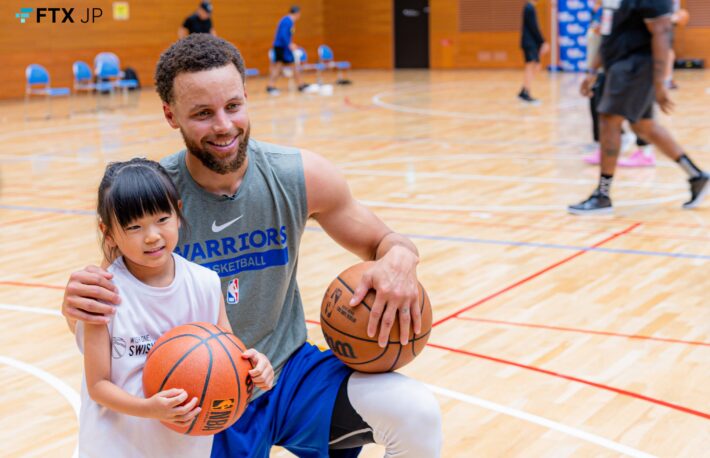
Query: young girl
x,y
139,216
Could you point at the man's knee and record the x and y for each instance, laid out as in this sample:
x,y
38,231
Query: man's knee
x,y
403,413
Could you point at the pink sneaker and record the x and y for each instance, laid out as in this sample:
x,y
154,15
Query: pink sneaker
x,y
638,159
594,158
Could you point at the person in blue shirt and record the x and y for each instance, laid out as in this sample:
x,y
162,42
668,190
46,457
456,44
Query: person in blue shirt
x,y
283,48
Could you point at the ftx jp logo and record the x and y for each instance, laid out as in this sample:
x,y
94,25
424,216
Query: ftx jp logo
x,y
61,15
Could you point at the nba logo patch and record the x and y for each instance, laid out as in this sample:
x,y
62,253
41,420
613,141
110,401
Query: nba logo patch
x,y
233,292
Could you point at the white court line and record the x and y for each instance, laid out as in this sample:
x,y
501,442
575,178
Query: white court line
x,y
74,399
544,422
65,390
547,157
515,208
507,179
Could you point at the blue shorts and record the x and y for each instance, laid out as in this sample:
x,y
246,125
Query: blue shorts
x,y
283,54
294,414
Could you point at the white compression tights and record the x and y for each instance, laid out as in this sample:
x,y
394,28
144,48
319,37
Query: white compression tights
x,y
403,413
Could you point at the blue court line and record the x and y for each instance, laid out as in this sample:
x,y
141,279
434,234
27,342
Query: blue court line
x,y
47,210
443,238
440,238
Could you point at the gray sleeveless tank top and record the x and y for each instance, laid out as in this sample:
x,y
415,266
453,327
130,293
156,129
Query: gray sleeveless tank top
x,y
251,240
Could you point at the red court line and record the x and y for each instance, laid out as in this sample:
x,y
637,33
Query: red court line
x,y
357,106
529,227
660,402
585,331
536,274
30,285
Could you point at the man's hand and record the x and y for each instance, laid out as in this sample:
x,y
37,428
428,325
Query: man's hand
x,y
89,295
394,279
663,99
586,88
544,48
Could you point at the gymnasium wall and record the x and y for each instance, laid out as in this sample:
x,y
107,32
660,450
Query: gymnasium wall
x,y
480,33
138,42
361,32
693,41
463,34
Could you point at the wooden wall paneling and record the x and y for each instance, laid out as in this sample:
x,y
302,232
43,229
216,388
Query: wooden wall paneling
x,y
361,32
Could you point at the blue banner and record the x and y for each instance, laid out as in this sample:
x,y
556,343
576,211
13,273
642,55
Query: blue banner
x,y
573,17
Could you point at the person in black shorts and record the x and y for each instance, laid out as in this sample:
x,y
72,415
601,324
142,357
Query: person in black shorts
x,y
199,22
533,45
634,53
283,48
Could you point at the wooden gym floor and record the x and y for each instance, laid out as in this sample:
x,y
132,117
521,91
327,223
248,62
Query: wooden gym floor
x,y
554,335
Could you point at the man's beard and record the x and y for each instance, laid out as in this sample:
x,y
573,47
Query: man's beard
x,y
221,166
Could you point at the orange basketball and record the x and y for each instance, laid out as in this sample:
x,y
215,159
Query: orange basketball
x,y
345,327
205,361
682,17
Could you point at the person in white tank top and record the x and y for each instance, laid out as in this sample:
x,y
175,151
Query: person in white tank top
x,y
139,216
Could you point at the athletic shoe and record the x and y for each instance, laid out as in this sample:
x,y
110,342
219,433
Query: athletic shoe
x,y
699,188
597,204
594,158
272,90
303,87
638,159
526,97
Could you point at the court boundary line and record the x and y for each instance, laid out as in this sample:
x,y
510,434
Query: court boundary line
x,y
73,397
660,402
583,331
522,415
536,274
571,378
53,381
541,421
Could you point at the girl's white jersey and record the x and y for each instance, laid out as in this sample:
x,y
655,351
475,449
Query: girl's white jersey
x,y
144,314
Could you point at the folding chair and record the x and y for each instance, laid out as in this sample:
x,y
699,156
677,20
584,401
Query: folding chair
x,y
37,83
84,80
326,57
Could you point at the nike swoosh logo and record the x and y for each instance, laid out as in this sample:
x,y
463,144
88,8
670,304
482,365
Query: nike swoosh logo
x,y
224,226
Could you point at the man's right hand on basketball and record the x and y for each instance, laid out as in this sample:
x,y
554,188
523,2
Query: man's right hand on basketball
x,y
165,406
90,296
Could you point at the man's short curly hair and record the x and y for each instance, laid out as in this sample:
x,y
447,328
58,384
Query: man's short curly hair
x,y
194,53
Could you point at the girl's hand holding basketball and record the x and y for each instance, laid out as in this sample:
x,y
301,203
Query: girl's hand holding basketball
x,y
166,406
262,374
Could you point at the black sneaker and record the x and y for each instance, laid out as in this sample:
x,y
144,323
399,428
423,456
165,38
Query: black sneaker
x,y
699,188
597,204
272,90
526,97
303,87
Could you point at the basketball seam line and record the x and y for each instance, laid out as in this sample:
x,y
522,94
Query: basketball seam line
x,y
234,367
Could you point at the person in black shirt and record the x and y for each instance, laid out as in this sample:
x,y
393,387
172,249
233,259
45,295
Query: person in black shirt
x,y
533,45
634,53
199,22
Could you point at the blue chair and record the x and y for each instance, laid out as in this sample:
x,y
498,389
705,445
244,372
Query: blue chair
x,y
301,58
84,79
326,57
38,84
107,68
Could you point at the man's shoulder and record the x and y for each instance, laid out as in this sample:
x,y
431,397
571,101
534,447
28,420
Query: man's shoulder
x,y
171,163
272,151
